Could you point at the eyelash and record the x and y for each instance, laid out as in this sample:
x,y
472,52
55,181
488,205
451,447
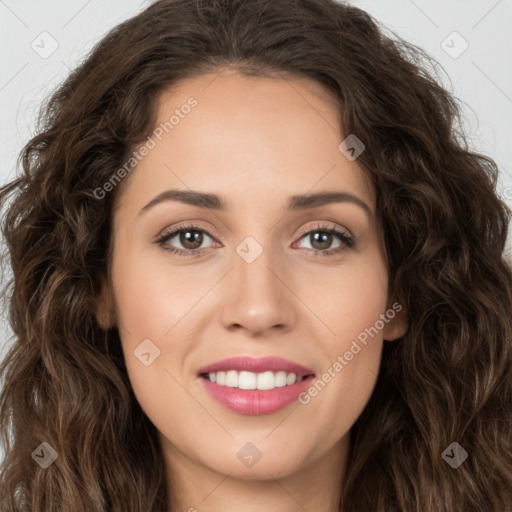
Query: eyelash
x,y
347,242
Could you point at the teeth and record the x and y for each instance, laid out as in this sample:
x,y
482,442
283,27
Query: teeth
x,y
231,379
247,380
250,380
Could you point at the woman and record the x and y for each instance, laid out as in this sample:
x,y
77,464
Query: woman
x,y
255,266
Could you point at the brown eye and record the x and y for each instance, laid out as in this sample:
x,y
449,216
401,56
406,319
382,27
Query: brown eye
x,y
322,238
185,240
190,239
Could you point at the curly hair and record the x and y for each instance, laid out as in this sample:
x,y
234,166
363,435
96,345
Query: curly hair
x,y
448,379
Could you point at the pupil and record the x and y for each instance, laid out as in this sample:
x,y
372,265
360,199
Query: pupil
x,y
194,239
325,241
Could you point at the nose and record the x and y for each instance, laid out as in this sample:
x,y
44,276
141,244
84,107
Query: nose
x,y
258,296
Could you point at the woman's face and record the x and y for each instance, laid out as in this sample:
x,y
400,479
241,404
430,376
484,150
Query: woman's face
x,y
266,282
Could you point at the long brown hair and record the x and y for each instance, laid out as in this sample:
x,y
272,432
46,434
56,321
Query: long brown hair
x,y
448,379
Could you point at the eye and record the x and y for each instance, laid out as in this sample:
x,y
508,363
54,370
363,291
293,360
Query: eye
x,y
192,237
189,236
322,237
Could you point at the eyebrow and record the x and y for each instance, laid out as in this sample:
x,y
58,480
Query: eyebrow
x,y
298,202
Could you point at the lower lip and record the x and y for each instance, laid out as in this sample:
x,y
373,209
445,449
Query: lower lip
x,y
255,401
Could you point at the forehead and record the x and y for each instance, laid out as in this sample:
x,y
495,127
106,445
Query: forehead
x,y
248,137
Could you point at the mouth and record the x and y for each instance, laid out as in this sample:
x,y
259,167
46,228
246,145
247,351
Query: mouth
x,y
250,380
256,401
255,386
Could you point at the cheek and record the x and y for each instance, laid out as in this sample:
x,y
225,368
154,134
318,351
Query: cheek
x,y
148,307
150,298
337,397
349,300
352,307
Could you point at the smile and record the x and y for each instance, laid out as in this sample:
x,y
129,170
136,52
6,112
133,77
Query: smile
x,y
251,380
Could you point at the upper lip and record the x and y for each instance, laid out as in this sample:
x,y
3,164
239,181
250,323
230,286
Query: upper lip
x,y
257,365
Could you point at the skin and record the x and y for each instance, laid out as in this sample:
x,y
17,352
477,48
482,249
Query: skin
x,y
255,142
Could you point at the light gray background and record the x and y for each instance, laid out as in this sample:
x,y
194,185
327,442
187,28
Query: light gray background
x,y
481,76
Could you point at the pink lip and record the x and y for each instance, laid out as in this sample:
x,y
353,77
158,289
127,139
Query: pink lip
x,y
259,365
255,401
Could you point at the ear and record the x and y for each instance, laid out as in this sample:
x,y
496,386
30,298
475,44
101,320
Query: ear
x,y
103,312
396,326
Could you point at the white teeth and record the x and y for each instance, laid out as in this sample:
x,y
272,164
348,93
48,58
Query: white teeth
x,y
231,379
280,379
266,380
247,380
291,378
250,380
